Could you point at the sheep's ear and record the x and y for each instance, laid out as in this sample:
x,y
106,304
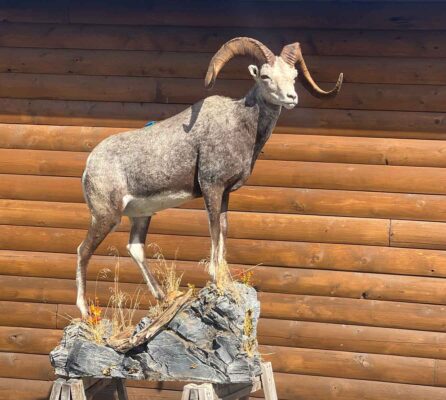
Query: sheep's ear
x,y
254,71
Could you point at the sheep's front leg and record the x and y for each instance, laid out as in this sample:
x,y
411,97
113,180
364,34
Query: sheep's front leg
x,y
138,234
213,200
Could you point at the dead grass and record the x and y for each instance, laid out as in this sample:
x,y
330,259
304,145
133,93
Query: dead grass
x,y
169,280
119,311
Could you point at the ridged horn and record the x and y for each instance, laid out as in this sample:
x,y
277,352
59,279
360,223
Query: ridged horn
x,y
292,55
240,46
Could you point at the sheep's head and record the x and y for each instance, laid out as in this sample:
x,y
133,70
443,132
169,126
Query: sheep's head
x,y
276,74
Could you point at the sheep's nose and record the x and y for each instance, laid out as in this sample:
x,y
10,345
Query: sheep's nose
x,y
291,96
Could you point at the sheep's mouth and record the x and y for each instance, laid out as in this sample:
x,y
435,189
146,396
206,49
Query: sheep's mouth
x,y
289,105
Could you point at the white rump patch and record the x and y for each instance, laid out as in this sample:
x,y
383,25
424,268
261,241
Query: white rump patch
x,y
147,206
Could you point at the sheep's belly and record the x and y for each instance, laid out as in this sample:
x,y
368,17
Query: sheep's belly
x,y
146,206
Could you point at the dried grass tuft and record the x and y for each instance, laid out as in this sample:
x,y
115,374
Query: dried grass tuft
x,y
169,279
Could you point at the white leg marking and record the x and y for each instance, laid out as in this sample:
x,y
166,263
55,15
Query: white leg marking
x,y
136,250
221,249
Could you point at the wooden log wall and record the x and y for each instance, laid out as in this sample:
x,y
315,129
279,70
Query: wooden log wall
x,y
343,219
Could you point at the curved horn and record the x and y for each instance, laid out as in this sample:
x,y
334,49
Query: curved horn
x,y
292,55
240,46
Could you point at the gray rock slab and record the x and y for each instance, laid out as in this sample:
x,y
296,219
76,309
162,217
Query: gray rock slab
x,y
206,341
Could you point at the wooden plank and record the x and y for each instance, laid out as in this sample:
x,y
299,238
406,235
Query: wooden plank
x,y
31,315
15,265
290,387
303,387
271,226
332,131
297,361
353,311
385,314
50,137
349,177
24,389
341,16
384,368
28,340
120,114
281,146
242,251
84,138
386,178
289,360
26,187
355,150
391,70
275,332
420,98
34,366
337,42
363,339
418,234
257,198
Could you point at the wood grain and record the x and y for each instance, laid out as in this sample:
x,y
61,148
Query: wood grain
x,y
324,42
257,198
301,174
241,251
265,226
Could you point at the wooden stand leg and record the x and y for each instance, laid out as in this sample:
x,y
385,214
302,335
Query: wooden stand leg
x,y
268,383
74,389
198,392
121,390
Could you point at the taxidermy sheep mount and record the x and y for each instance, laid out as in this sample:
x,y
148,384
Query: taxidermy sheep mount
x,y
207,150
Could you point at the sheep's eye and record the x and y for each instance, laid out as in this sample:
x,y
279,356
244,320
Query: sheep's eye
x,y
265,77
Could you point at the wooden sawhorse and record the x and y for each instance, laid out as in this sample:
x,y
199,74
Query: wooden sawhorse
x,y
86,389
209,391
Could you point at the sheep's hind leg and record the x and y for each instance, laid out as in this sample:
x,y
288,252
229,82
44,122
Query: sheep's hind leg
x,y
213,199
138,234
100,227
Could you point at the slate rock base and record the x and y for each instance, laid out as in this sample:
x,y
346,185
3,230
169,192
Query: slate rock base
x,y
211,339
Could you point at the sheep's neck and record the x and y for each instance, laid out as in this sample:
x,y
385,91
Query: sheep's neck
x,y
268,114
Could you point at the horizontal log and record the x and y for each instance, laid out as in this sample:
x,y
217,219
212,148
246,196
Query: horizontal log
x,y
349,177
303,387
418,234
30,315
333,131
354,338
392,70
31,366
243,225
24,389
28,340
421,371
31,187
427,98
257,198
382,368
242,251
314,335
423,180
64,112
277,306
290,387
412,16
408,152
265,278
353,311
398,42
281,146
